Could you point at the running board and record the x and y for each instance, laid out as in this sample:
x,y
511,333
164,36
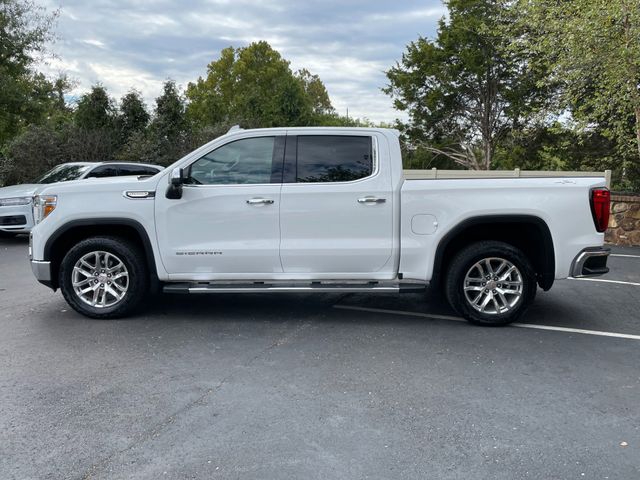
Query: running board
x,y
300,287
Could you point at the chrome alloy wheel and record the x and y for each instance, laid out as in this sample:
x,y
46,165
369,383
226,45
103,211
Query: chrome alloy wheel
x,y
100,279
493,286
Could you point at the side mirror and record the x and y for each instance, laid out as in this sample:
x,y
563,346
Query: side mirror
x,y
176,179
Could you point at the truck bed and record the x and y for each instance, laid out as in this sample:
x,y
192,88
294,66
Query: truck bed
x,y
436,174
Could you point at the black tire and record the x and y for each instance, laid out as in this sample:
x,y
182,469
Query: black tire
x,y
463,263
129,254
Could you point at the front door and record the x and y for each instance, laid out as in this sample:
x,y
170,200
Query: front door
x,y
227,222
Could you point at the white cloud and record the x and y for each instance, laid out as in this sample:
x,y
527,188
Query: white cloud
x,y
94,42
349,44
121,79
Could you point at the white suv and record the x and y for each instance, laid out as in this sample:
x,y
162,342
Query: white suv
x,y
15,201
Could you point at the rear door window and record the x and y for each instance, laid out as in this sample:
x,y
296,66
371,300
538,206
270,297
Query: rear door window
x,y
333,158
103,171
137,170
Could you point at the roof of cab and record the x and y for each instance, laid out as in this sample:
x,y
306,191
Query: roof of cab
x,y
237,129
89,164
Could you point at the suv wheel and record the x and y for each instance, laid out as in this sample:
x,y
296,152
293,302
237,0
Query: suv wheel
x,y
490,283
104,277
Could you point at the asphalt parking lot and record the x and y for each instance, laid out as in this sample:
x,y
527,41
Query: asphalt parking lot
x,y
320,386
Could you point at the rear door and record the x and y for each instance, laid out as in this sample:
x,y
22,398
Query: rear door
x,y
336,212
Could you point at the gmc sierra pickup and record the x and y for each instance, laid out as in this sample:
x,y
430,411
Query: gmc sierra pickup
x,y
317,210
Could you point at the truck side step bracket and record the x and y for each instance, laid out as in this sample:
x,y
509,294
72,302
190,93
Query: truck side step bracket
x,y
301,287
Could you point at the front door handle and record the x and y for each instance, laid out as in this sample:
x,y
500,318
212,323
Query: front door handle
x,y
260,201
371,200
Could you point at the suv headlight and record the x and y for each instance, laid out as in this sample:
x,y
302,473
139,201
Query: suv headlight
x,y
14,201
43,205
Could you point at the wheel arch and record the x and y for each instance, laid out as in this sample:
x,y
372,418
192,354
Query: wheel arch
x,y
531,235
74,231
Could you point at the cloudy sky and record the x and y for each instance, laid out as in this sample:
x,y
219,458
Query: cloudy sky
x,y
140,43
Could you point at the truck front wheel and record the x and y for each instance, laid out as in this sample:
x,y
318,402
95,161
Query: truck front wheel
x,y
104,277
490,283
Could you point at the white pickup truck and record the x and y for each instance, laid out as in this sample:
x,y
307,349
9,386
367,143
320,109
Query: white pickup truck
x,y
318,210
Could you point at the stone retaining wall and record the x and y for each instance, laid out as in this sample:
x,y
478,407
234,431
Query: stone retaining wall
x,y
624,224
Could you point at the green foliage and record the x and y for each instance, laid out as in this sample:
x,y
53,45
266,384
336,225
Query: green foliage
x,y
254,86
594,47
169,120
26,97
133,116
332,119
557,147
169,135
465,90
315,92
96,110
141,146
41,147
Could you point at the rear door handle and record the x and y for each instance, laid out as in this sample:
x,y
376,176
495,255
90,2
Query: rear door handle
x,y
260,201
371,200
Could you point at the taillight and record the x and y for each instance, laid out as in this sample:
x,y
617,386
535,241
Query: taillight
x,y
600,207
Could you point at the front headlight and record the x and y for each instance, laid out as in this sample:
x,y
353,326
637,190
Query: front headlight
x,y
15,201
43,205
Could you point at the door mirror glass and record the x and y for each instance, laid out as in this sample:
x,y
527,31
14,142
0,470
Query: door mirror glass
x,y
176,177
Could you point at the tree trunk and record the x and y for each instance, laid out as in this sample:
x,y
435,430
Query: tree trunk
x,y
637,112
488,154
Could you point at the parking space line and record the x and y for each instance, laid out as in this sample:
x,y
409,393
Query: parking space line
x,y
577,330
624,255
517,325
635,284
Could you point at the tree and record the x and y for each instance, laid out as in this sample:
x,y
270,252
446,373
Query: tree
x,y
465,90
557,146
94,131
254,86
169,120
25,96
168,136
96,110
32,152
594,47
133,116
315,93
38,148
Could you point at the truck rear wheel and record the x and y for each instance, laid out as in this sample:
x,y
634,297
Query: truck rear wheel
x,y
490,283
104,277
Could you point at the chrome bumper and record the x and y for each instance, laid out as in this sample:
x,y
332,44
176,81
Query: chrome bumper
x,y
591,262
42,271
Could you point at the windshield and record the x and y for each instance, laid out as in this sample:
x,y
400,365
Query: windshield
x,y
62,173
